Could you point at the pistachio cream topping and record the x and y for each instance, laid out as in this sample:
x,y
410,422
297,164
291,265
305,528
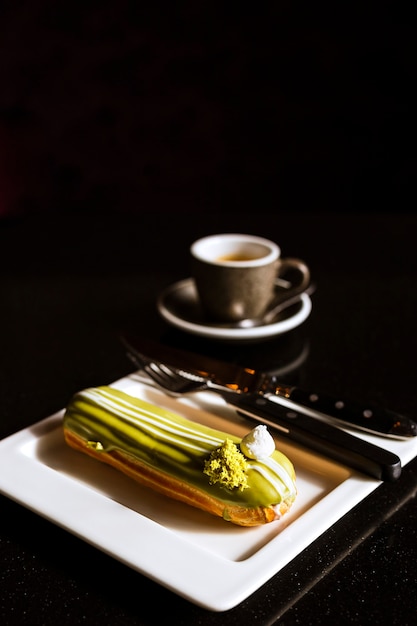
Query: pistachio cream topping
x,y
109,419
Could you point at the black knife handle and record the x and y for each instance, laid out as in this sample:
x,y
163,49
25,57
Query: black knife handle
x,y
365,417
320,436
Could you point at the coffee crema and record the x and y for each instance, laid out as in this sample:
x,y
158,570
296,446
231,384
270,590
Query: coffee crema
x,y
238,257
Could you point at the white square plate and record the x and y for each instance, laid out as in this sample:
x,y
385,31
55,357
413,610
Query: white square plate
x,y
202,558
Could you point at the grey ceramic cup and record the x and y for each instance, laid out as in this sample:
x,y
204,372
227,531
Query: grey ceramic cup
x,y
236,275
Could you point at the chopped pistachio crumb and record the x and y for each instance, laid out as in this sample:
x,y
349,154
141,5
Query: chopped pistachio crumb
x,y
95,445
227,465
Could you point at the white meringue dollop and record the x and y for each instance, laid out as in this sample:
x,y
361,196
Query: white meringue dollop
x,y
258,443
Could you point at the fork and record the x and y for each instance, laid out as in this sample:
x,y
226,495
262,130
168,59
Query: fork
x,y
307,431
172,380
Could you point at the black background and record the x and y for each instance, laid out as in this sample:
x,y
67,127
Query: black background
x,y
203,107
125,134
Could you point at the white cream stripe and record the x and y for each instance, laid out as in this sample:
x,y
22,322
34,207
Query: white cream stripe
x,y
186,436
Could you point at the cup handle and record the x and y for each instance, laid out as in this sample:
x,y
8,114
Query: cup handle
x,y
303,272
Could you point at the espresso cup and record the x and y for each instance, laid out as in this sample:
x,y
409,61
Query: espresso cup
x,y
236,275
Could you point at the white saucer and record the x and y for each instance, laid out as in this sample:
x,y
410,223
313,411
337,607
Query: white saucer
x,y
180,307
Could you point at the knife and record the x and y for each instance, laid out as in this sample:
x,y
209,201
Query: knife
x,y
369,418
315,434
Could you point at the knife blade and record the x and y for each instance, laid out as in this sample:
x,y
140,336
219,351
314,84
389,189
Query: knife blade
x,y
315,434
369,418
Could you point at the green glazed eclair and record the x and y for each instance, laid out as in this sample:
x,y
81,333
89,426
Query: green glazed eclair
x,y
245,481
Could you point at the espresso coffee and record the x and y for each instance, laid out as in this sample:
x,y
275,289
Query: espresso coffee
x,y
237,257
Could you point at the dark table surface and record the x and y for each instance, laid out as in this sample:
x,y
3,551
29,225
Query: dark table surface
x,y
67,288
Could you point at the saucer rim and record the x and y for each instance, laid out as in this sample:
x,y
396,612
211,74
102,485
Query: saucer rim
x,y
204,330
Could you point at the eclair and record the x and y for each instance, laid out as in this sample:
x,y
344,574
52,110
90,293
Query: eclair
x,y
245,481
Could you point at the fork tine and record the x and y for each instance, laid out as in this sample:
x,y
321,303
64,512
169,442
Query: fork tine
x,y
167,378
151,368
161,375
173,380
